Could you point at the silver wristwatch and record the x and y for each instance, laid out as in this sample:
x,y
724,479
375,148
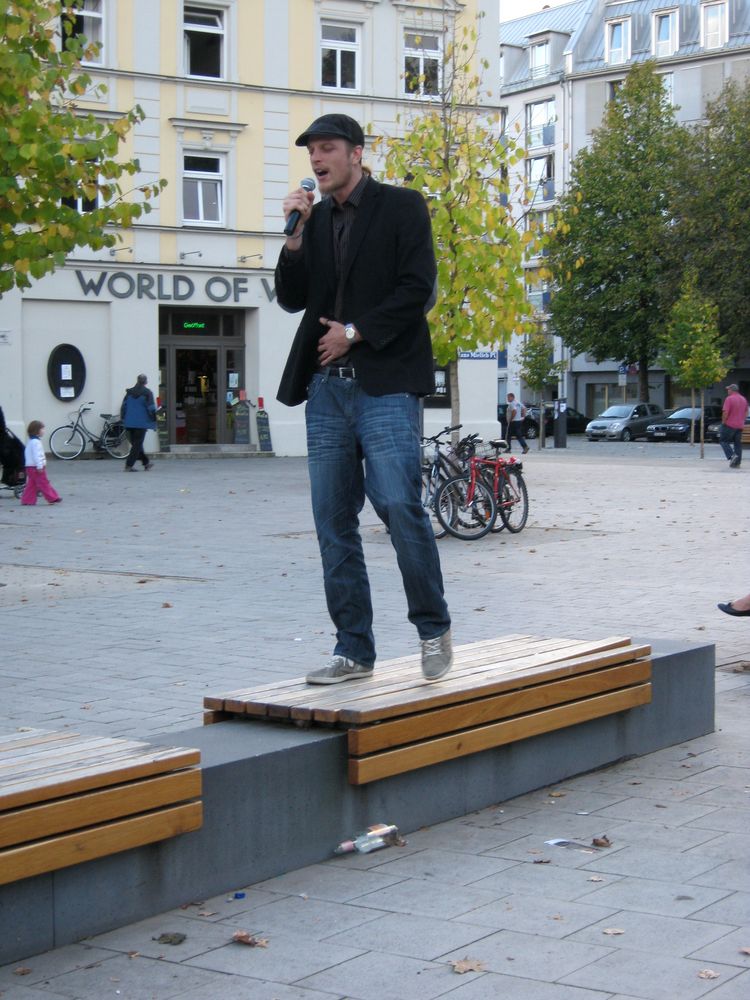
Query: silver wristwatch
x,y
350,332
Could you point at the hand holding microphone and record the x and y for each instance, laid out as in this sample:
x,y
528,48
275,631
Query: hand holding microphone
x,y
308,185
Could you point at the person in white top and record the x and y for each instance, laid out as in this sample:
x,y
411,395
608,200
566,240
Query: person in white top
x,y
514,417
36,474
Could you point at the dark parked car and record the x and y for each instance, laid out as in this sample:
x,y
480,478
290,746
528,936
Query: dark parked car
x,y
713,430
676,427
576,422
625,422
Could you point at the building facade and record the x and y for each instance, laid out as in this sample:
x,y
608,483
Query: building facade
x,y
187,296
559,68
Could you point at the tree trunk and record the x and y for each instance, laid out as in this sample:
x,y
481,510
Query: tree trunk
x,y
703,421
542,421
643,381
692,418
455,397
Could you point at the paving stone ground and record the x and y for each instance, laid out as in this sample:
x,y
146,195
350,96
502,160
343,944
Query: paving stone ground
x,y
129,601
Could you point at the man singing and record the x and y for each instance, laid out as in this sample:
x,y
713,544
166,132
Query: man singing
x,y
361,264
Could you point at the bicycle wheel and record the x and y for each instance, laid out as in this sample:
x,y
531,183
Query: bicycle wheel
x,y
464,510
66,442
116,441
429,495
513,502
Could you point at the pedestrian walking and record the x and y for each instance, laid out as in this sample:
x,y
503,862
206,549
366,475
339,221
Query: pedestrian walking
x,y
733,414
514,416
361,265
138,414
36,469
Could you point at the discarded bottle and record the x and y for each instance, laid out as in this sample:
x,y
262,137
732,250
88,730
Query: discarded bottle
x,y
371,839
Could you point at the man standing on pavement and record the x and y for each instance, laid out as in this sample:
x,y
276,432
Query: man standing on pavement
x,y
514,417
733,414
361,264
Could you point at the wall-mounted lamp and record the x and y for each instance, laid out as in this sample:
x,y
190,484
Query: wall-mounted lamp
x,y
114,250
187,253
249,256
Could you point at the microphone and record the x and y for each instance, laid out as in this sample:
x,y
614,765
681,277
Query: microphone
x,y
307,184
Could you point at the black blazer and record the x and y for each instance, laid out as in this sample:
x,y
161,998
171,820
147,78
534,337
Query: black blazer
x,y
389,277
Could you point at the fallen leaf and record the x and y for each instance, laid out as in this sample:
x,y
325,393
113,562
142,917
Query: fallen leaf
x,y
467,965
207,913
133,954
602,841
170,937
658,805
708,974
166,604
557,795
635,782
22,970
143,581
612,931
245,937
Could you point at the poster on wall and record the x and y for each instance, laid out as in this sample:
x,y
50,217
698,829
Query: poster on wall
x,y
442,394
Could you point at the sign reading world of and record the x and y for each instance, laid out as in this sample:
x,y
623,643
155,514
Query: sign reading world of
x,y
166,287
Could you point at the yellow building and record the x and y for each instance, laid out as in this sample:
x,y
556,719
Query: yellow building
x,y
187,296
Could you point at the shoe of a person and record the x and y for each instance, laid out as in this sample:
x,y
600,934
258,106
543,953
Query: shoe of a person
x,y
437,656
729,610
130,468
525,450
58,500
734,463
148,467
341,668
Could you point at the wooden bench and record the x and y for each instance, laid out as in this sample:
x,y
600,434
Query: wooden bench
x,y
499,691
66,798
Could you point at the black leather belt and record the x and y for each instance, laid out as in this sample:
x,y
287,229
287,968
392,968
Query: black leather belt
x,y
333,372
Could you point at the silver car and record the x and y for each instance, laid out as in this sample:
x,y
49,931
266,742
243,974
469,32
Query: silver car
x,y
625,422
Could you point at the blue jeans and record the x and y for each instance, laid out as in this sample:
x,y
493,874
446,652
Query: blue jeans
x,y
730,439
514,431
361,445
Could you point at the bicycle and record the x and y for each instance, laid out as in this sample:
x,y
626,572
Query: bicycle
x,y
467,505
440,462
69,440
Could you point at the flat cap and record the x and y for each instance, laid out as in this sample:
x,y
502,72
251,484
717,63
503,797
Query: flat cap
x,y
733,385
336,126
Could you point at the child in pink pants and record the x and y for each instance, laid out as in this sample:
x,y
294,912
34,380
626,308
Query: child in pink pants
x,y
36,476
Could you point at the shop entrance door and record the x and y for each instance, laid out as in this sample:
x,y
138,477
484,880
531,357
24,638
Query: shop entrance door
x,y
202,365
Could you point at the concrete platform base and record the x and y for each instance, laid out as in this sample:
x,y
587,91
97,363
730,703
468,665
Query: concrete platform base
x,y
276,798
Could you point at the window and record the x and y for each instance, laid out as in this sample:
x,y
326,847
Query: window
x,y
540,177
614,87
80,203
202,189
422,64
540,118
667,83
618,41
204,41
86,21
713,25
665,34
539,59
339,56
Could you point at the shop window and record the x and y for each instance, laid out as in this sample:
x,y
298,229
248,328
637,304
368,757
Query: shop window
x,y
203,189
617,41
423,56
665,34
204,41
713,25
87,21
539,60
339,56
540,123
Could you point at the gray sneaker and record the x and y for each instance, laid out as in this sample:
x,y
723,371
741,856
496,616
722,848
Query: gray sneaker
x,y
437,656
339,669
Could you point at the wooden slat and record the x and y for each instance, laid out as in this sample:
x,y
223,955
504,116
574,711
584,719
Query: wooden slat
x,y
35,822
93,749
452,691
331,704
391,762
33,737
98,841
42,788
384,735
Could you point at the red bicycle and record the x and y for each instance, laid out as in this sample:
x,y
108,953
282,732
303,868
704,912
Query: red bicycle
x,y
468,505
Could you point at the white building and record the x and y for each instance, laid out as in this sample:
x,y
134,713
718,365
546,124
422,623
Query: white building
x,y
559,68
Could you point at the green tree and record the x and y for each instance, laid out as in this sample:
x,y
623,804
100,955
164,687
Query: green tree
x,y
450,150
611,254
54,156
691,351
538,369
714,224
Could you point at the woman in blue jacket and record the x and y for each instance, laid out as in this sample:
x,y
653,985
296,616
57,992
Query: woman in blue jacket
x,y
138,413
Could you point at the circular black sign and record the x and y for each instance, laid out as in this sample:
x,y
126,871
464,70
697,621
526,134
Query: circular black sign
x,y
66,372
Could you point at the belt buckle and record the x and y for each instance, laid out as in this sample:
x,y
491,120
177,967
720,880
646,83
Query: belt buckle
x,y
346,371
